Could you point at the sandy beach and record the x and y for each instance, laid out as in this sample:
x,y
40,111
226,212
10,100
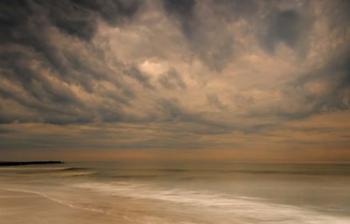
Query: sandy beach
x,y
19,207
102,193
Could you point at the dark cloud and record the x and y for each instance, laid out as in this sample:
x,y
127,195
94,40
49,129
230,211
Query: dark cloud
x,y
172,80
43,71
183,11
38,93
70,18
114,12
337,12
172,110
322,90
192,68
284,27
76,18
141,78
207,34
231,10
31,24
287,26
336,73
215,101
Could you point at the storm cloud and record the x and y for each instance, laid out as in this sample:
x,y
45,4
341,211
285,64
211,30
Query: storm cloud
x,y
170,73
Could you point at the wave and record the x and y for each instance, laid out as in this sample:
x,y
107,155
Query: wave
x,y
308,169
55,171
244,208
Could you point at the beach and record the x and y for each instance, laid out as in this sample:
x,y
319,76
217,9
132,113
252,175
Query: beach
x,y
119,193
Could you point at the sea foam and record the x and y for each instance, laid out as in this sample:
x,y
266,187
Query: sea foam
x,y
252,210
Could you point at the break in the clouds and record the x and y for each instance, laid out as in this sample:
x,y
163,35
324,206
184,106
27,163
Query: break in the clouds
x,y
175,74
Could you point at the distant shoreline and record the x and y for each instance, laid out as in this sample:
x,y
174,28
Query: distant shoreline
x,y
29,163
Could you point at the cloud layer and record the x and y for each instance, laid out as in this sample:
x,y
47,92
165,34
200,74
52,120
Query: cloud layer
x,y
171,74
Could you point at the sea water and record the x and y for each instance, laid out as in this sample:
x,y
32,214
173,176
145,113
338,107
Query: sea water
x,y
139,192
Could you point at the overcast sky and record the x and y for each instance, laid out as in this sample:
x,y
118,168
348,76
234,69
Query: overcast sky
x,y
175,79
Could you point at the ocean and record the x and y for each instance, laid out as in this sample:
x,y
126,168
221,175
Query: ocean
x,y
168,192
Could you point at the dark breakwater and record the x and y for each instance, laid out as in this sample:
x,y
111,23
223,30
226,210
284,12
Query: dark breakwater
x,y
26,163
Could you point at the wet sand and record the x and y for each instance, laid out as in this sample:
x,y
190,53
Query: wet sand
x,y
26,207
20,207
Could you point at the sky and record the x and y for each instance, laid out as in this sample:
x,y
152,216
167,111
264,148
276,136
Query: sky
x,y
221,80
